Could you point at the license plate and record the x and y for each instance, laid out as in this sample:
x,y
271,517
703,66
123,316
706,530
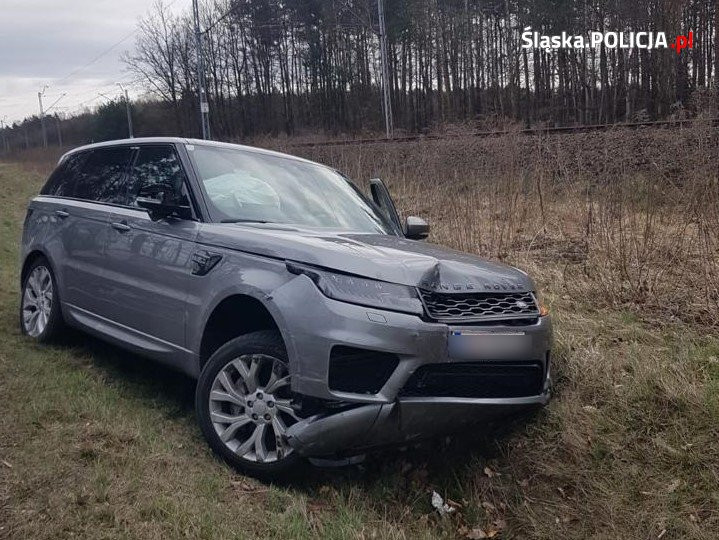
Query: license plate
x,y
478,345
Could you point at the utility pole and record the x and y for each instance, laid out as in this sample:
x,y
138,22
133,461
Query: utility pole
x,y
204,106
4,137
42,116
44,134
387,104
59,132
127,108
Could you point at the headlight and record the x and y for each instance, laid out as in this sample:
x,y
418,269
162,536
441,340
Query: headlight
x,y
362,291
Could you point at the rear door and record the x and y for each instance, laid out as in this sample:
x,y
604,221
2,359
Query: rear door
x,y
151,261
54,213
99,185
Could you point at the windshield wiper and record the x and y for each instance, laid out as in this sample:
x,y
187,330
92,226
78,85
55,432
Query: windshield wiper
x,y
245,221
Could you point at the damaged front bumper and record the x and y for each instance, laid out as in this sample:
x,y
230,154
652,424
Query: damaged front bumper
x,y
390,413
402,422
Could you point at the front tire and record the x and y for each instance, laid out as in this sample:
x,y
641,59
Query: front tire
x,y
40,313
244,405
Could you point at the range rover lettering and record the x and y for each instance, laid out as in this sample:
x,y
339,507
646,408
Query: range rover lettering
x,y
317,323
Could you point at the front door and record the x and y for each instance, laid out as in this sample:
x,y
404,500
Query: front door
x,y
151,261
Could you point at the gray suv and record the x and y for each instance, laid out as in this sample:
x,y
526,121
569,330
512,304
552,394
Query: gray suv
x,y
316,322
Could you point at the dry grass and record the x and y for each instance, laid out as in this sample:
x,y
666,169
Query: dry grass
x,y
620,230
625,219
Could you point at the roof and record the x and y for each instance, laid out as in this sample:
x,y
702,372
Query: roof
x,y
183,140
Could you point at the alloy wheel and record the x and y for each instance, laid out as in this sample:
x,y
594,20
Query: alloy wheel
x,y
250,407
37,301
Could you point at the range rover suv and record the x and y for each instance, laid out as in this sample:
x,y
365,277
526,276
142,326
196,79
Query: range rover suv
x,y
316,322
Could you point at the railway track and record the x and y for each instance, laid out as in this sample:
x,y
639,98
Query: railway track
x,y
528,131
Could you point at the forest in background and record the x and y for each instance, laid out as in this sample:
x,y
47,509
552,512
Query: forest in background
x,y
313,66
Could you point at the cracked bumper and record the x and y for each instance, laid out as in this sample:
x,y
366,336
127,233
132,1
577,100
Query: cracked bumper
x,y
405,421
385,417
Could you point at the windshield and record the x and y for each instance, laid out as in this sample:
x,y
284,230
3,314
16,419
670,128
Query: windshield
x,y
247,186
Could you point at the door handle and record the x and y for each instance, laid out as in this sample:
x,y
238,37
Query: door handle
x,y
62,214
120,226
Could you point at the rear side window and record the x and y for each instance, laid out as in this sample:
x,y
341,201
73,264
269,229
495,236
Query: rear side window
x,y
62,181
102,178
157,174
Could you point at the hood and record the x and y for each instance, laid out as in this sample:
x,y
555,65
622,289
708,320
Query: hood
x,y
377,256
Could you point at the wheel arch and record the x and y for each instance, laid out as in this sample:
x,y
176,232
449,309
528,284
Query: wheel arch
x,y
234,315
30,258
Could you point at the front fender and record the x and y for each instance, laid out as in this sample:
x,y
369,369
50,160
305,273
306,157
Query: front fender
x,y
238,274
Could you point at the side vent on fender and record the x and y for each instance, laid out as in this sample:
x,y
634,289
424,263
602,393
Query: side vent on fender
x,y
203,261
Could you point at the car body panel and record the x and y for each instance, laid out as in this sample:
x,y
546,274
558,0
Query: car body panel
x,y
74,243
149,273
375,256
414,341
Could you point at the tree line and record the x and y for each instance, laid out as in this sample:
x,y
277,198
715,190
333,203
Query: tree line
x,y
290,66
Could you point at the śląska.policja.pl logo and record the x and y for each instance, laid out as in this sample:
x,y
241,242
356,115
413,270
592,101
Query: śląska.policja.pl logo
x,y
611,40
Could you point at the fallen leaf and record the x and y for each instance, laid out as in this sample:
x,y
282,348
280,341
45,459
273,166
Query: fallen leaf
x,y
476,534
488,506
490,473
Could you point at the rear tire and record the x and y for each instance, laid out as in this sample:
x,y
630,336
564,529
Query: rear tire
x,y
40,312
243,405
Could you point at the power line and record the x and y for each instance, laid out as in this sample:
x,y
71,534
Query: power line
x,y
95,59
94,91
103,53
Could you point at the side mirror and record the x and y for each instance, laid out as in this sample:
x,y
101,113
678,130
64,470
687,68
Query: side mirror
x,y
416,228
158,210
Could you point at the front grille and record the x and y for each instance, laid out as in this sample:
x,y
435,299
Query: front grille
x,y
360,371
484,306
476,380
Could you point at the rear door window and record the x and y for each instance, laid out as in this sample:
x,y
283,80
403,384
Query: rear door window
x,y
157,174
62,181
103,176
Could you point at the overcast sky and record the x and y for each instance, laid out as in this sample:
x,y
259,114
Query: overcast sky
x,y
42,42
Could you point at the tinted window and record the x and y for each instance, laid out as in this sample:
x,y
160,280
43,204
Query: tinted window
x,y
62,181
157,174
103,174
